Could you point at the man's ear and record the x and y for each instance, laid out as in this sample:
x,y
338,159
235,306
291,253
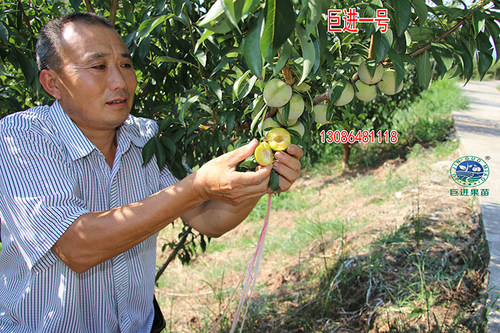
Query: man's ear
x,y
48,79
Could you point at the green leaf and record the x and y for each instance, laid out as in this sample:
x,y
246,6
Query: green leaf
x,y
285,22
399,66
479,21
237,87
251,50
75,4
483,43
177,6
278,24
222,64
150,24
186,107
201,57
316,10
248,7
169,144
494,30
402,14
205,35
308,52
170,59
255,107
4,33
213,13
484,62
148,150
274,181
443,57
424,69
467,61
243,86
286,51
421,9
258,116
161,156
268,26
214,89
247,164
381,44
230,12
28,67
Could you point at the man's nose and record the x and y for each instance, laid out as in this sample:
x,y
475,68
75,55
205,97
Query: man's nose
x,y
116,78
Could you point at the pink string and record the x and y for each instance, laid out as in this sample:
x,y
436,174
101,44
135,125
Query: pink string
x,y
252,271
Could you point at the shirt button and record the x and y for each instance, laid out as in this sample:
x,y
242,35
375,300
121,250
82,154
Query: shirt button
x,y
121,287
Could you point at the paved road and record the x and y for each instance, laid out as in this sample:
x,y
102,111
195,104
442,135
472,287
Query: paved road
x,y
479,132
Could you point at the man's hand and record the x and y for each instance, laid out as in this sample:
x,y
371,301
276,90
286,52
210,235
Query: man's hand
x,y
235,193
219,180
287,165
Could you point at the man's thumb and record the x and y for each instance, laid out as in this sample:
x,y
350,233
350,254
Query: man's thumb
x,y
241,153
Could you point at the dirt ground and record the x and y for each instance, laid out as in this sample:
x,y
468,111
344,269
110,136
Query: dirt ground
x,y
421,194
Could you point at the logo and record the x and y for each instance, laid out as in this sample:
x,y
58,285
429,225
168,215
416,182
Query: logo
x,y
469,171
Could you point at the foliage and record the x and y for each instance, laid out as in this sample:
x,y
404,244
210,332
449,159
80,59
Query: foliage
x,y
202,65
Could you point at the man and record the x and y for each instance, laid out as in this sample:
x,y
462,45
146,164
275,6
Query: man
x,y
79,212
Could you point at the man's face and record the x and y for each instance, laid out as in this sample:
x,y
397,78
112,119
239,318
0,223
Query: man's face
x,y
97,81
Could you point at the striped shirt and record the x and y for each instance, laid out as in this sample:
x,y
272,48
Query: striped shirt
x,y
50,174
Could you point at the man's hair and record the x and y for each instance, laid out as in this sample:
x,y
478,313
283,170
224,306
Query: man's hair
x,y
47,46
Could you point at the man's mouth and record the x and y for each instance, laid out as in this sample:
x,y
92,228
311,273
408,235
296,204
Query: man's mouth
x,y
119,101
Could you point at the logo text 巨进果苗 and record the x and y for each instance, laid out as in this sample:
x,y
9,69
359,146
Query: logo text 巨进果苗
x,y
469,172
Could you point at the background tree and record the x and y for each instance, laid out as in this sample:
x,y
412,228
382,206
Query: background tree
x,y
202,65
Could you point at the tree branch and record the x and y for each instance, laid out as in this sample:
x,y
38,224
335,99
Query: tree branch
x,y
449,32
113,8
89,7
173,254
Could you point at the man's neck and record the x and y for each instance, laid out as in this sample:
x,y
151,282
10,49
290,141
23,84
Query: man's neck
x,y
105,141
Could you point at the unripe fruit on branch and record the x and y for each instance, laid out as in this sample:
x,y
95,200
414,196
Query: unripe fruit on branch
x,y
296,106
269,123
279,139
346,96
303,87
319,111
277,93
388,83
299,128
295,110
365,92
290,121
366,77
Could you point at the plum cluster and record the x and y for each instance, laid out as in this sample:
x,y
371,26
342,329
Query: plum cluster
x,y
290,106
365,88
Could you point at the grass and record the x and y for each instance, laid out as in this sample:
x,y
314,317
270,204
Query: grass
x,y
381,247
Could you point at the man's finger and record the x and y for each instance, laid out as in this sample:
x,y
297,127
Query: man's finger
x,y
296,151
255,177
238,155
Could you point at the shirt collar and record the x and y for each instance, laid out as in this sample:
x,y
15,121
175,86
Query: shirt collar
x,y
80,146
77,143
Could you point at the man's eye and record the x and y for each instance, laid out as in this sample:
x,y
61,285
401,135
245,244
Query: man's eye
x,y
100,67
127,65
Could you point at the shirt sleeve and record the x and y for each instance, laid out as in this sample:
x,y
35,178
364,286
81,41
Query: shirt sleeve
x,y
39,192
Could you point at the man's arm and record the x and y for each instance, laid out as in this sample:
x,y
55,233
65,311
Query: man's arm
x,y
98,236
